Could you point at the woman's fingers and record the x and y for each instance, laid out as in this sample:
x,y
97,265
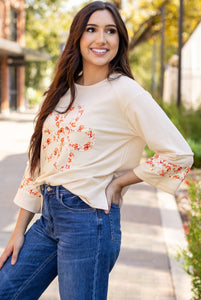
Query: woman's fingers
x,y
13,248
113,194
15,255
108,210
17,247
5,255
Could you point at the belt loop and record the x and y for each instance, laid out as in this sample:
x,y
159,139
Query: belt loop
x,y
57,191
42,188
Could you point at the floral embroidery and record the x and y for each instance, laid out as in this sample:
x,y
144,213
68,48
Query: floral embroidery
x,y
163,168
62,138
27,184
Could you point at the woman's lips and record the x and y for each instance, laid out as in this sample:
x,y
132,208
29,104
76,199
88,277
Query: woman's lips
x,y
99,51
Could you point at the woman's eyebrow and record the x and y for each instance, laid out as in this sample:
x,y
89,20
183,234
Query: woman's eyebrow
x,y
108,25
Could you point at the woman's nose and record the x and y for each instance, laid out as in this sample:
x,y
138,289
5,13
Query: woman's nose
x,y
101,37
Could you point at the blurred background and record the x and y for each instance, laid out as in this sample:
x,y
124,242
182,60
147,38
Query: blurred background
x,y
165,49
164,52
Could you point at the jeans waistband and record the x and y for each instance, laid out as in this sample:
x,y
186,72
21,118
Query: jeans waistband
x,y
50,189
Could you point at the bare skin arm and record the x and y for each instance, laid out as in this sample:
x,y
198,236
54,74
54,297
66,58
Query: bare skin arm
x,y
113,190
17,238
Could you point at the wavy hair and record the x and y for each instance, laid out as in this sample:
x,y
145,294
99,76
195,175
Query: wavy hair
x,y
70,66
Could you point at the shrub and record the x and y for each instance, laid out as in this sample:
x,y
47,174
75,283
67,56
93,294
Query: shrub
x,y
187,121
148,151
196,148
192,255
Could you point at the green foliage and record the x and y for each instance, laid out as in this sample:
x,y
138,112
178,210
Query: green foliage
x,y
33,96
186,120
36,72
196,148
188,123
144,23
140,61
148,151
192,255
144,19
47,25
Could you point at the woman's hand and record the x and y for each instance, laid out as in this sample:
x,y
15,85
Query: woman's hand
x,y
113,194
114,188
13,247
17,238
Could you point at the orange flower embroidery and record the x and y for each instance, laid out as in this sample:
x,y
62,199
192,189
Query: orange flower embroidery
x,y
164,168
27,184
61,138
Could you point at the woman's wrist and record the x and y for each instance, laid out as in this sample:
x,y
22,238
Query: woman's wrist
x,y
24,218
126,179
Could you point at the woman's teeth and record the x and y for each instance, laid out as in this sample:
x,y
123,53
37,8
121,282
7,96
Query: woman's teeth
x,y
99,51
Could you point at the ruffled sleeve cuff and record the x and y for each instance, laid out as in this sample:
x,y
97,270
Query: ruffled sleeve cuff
x,y
162,173
28,196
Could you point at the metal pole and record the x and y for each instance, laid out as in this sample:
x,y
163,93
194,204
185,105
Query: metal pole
x,y
162,51
154,59
180,42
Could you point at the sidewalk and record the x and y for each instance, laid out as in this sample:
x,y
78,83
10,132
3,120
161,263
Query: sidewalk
x,y
150,227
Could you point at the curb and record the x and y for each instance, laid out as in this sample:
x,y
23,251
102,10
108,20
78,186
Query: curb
x,y
174,237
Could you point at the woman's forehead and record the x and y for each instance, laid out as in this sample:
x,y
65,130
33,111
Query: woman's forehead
x,y
101,17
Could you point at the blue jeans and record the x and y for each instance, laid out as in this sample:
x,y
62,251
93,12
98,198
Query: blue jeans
x,y
78,243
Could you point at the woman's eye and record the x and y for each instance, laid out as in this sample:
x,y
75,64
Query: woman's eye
x,y
111,31
90,29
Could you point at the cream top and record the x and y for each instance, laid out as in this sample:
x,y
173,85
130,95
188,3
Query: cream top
x,y
102,136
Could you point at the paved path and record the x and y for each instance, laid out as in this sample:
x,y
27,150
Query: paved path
x,y
143,268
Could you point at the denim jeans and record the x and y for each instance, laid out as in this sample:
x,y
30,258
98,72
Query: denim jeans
x,y
78,243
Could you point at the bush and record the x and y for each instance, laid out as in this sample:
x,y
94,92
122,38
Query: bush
x,y
192,255
187,121
196,148
148,151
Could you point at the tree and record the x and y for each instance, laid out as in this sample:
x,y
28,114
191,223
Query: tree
x,y
117,3
47,25
144,20
144,23
48,22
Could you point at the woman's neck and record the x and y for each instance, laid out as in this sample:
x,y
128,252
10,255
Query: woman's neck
x,y
93,76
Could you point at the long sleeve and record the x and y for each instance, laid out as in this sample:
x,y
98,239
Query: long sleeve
x,y
173,157
28,196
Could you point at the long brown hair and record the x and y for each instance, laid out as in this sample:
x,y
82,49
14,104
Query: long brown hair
x,y
69,67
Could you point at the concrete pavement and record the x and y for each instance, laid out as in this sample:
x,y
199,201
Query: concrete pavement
x,y
150,228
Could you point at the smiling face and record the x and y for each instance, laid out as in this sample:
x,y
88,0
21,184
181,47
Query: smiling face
x,y
100,41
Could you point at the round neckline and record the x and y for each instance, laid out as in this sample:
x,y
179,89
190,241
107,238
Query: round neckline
x,y
91,85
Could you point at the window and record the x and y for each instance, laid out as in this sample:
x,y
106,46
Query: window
x,y
13,24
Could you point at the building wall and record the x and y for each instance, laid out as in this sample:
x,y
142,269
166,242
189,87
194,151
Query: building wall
x,y
191,66
5,83
191,73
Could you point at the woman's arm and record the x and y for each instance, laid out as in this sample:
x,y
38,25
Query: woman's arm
x,y
113,190
17,238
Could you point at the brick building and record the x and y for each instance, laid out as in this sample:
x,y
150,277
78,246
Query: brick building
x,y
13,55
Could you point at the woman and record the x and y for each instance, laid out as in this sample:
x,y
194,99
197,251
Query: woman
x,y
85,150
